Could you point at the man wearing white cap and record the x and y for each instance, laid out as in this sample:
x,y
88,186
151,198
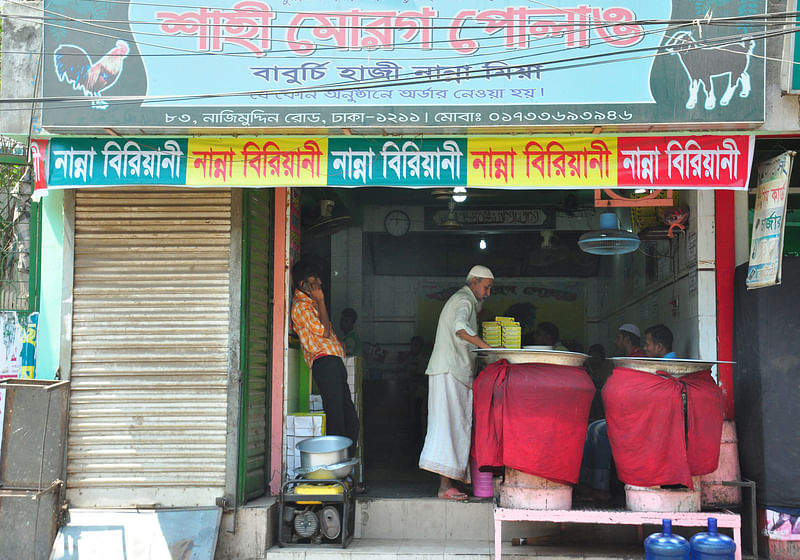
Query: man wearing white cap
x,y
629,341
451,370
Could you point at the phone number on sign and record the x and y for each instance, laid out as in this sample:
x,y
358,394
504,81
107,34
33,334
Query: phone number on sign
x,y
258,118
569,116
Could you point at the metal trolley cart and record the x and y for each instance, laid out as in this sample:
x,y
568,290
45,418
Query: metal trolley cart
x,y
316,512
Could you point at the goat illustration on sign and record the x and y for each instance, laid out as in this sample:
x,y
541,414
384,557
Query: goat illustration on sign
x,y
703,63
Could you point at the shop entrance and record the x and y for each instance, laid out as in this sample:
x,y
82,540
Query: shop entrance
x,y
395,255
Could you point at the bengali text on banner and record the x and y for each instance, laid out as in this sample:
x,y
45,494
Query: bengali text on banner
x,y
547,162
280,161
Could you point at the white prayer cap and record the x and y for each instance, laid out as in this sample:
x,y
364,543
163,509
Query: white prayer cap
x,y
631,328
479,271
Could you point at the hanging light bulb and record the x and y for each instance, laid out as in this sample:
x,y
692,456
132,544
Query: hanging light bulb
x,y
459,194
482,244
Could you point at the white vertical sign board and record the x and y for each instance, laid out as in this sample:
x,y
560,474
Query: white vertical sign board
x,y
766,246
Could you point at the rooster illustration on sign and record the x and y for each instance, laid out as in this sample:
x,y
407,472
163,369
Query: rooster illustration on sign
x,y
74,66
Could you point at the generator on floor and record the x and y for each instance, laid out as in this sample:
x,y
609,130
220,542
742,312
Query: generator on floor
x,y
318,506
316,512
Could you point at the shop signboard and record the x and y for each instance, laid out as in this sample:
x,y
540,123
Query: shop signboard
x,y
574,162
335,64
769,222
790,68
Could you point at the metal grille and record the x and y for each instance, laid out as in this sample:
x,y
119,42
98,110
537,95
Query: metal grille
x,y
15,238
150,349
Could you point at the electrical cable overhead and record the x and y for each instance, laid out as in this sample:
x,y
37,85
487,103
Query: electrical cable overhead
x,y
408,45
413,79
565,64
538,52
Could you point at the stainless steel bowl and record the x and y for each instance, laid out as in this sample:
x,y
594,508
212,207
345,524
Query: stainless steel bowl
x,y
322,451
339,470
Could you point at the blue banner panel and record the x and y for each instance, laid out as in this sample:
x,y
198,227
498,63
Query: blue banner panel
x,y
404,162
75,162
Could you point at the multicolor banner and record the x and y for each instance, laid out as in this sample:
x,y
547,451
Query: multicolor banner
x,y
590,162
332,64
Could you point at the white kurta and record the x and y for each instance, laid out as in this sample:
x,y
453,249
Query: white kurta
x,y
447,443
450,372
451,353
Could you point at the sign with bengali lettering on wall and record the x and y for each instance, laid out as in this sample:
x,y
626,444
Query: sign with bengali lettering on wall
x,y
332,64
692,162
680,162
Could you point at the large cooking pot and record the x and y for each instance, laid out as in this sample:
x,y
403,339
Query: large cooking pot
x,y
325,457
323,450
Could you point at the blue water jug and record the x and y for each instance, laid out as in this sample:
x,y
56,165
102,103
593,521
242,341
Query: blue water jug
x,y
712,545
665,545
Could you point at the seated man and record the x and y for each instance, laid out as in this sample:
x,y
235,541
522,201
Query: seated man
x,y
596,465
658,342
628,340
546,334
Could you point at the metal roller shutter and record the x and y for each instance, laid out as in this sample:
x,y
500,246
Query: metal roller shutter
x,y
150,356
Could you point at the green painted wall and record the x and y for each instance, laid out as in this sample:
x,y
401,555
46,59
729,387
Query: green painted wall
x,y
50,290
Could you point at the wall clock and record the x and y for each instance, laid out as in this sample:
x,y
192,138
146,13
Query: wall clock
x,y
397,223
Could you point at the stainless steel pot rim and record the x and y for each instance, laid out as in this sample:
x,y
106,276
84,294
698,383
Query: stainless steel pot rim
x,y
540,350
315,468
666,360
677,367
533,356
331,444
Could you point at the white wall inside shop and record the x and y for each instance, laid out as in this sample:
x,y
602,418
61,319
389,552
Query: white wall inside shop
x,y
387,306
677,288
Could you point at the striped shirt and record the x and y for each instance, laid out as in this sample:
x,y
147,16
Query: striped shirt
x,y
306,323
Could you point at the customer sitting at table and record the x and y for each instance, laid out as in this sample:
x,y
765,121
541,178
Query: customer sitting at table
x,y
658,342
546,334
595,480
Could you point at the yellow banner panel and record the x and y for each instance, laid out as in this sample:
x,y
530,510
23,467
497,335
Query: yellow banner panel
x,y
546,162
257,161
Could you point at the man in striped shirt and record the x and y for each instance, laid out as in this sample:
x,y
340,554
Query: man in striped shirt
x,y
322,351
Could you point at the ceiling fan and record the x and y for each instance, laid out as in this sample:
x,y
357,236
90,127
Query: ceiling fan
x,y
327,223
448,193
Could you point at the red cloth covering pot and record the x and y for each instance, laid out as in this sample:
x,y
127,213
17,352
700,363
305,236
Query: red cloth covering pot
x,y
646,428
532,418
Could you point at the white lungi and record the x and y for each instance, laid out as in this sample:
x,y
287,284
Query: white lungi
x,y
448,441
